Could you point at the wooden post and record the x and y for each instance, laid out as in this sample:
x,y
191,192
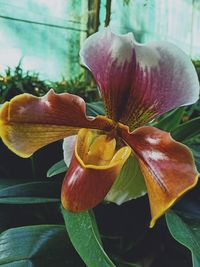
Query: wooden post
x,y
93,16
93,23
108,12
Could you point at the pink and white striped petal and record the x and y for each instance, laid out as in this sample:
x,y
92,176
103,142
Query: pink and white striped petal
x,y
139,81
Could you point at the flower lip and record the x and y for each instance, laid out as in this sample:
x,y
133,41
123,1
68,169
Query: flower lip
x,y
102,148
92,171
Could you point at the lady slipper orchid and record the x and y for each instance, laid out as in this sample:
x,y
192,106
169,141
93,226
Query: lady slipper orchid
x,y
137,82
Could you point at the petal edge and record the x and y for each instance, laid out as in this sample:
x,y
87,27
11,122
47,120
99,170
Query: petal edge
x,y
168,167
28,123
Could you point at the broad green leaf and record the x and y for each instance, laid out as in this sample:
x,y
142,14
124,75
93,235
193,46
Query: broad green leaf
x,y
57,168
20,263
27,200
170,121
129,184
186,131
195,261
37,246
84,236
30,192
185,228
10,182
95,108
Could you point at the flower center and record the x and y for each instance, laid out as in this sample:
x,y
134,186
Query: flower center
x,y
95,149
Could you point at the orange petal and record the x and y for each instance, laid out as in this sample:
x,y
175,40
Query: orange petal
x,y
93,169
28,123
168,167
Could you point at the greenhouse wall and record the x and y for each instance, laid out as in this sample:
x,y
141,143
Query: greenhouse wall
x,y
46,35
177,21
43,35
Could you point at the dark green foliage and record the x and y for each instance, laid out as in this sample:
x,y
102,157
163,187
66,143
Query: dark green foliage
x,y
37,246
28,192
16,81
185,228
85,237
188,131
78,86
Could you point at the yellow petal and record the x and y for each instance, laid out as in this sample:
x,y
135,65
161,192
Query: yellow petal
x,y
96,150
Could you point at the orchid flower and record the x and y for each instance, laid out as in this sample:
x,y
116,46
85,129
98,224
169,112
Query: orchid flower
x,y
137,82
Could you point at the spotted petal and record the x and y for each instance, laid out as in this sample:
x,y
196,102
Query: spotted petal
x,y
27,123
92,171
168,167
139,81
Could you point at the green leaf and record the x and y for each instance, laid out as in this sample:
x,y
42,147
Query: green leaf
x,y
30,192
37,246
170,121
95,108
27,200
186,131
129,184
10,182
57,168
195,261
84,236
186,230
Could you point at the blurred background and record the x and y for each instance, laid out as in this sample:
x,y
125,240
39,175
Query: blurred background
x,y
45,35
